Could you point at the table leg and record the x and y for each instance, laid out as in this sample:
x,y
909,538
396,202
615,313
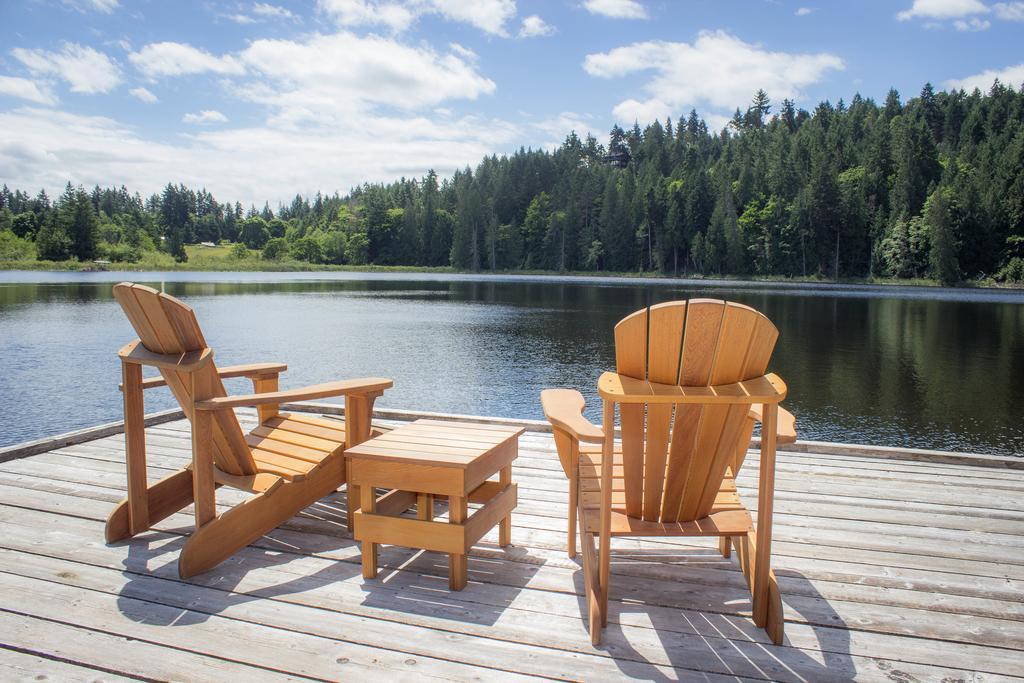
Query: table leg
x,y
368,503
457,570
351,504
425,506
505,530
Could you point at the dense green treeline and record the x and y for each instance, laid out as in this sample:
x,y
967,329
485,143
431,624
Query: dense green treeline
x,y
933,187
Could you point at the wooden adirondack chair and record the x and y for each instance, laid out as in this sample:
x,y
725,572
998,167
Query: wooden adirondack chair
x,y
288,462
690,383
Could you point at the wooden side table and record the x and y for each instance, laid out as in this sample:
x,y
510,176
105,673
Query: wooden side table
x,y
430,459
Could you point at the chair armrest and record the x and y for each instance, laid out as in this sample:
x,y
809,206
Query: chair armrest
x,y
785,431
364,386
622,389
250,370
190,361
564,409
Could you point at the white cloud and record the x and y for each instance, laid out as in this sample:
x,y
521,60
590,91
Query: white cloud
x,y
26,90
716,122
1011,75
628,111
144,95
204,117
265,9
972,24
85,69
368,12
942,9
463,51
338,110
557,128
1009,11
104,6
717,69
47,148
489,16
177,59
533,26
804,11
616,9
329,75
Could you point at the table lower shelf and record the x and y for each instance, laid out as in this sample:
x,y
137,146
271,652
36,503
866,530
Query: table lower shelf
x,y
378,521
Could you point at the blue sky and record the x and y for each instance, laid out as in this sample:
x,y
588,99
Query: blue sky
x,y
262,100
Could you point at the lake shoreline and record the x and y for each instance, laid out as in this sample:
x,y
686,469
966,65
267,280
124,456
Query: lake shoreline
x,y
248,266
909,367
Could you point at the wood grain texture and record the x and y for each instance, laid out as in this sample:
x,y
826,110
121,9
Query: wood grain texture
x,y
875,578
687,375
286,463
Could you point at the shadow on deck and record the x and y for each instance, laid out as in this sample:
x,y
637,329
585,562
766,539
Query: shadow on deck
x,y
890,569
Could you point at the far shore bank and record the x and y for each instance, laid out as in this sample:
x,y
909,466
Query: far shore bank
x,y
257,266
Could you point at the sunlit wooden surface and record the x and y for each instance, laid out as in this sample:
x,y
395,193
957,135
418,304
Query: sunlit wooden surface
x,y
889,569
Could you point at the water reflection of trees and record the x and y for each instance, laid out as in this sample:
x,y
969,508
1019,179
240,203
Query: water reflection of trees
x,y
917,371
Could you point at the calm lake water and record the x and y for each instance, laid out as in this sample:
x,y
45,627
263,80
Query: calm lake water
x,y
914,367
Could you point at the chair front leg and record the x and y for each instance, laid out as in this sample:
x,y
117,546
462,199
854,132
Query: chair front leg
x,y
604,551
135,447
765,501
574,489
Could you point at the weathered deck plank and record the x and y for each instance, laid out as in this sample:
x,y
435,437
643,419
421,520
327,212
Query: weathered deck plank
x,y
888,568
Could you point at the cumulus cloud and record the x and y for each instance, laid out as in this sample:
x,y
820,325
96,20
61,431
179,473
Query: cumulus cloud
x,y
46,148
533,27
86,70
144,95
1009,11
178,59
973,24
326,75
1011,75
963,13
265,9
942,9
616,9
206,116
717,69
338,110
489,16
104,6
394,15
804,11
26,89
463,51
558,127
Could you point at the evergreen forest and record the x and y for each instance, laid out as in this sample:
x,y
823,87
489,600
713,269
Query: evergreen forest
x,y
932,187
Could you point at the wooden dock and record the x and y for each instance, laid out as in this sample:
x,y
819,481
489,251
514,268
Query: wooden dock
x,y
893,566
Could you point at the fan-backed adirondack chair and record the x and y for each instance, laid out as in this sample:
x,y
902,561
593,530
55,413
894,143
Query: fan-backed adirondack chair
x,y
288,461
690,383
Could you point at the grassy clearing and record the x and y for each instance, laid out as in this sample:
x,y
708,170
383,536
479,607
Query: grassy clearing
x,y
222,259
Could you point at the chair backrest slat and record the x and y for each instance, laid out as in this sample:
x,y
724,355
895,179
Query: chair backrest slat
x,y
703,321
674,461
166,325
631,360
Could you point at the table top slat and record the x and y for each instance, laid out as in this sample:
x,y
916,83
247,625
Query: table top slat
x,y
434,443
